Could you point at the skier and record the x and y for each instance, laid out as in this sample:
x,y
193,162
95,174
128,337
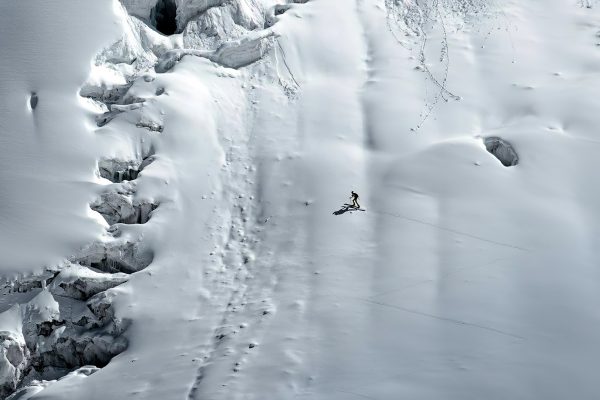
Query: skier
x,y
354,198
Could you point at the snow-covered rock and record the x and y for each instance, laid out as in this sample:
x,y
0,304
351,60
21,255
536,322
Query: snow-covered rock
x,y
38,335
40,316
119,206
82,283
71,349
243,52
115,255
33,281
27,392
217,25
14,361
118,170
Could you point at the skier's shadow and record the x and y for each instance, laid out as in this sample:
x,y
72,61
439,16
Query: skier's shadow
x,y
345,208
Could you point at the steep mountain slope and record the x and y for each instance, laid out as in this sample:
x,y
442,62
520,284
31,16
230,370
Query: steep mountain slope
x,y
172,205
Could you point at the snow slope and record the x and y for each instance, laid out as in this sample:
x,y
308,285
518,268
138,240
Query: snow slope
x,y
47,154
463,279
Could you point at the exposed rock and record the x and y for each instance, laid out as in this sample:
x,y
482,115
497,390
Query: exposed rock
x,y
101,306
209,30
102,309
36,281
147,161
105,118
33,100
119,207
274,12
152,126
86,370
105,94
502,150
118,170
169,59
232,54
40,316
47,327
73,350
115,256
241,53
115,206
34,335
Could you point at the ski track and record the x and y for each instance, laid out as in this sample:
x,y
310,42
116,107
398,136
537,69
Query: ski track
x,y
246,301
442,89
244,284
287,67
230,285
445,319
443,275
469,235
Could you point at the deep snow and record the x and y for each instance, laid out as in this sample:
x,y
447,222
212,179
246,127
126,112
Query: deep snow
x,y
216,157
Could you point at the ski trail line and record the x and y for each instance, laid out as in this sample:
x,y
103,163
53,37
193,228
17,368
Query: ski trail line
x,y
452,320
418,221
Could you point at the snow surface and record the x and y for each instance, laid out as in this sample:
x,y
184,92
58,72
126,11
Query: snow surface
x,y
463,279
